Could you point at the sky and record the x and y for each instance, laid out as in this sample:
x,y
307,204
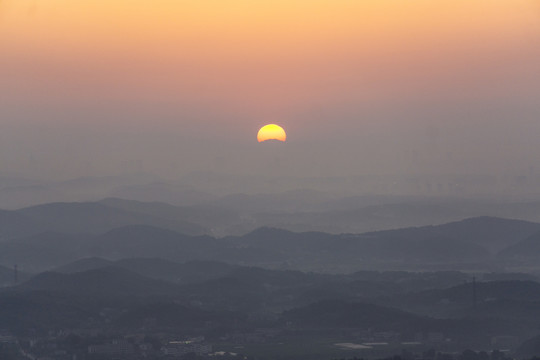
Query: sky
x,y
362,87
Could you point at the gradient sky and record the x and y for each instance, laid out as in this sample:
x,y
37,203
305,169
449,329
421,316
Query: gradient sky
x,y
96,87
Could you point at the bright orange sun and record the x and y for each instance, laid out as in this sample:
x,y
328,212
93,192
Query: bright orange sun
x,y
271,132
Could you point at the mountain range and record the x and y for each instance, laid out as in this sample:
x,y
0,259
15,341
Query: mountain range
x,y
475,243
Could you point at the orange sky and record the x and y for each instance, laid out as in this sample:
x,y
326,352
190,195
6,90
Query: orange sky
x,y
326,67
268,57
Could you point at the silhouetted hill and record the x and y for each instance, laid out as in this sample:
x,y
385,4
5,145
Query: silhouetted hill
x,y
358,290
527,249
277,278
141,240
50,250
83,265
7,276
21,311
342,314
156,268
14,224
361,219
395,246
225,294
529,349
212,218
283,240
489,232
180,273
113,298
43,251
371,285
217,284
351,215
180,195
337,315
430,249
447,246
493,299
170,315
414,281
284,289
100,283
509,276
19,193
97,218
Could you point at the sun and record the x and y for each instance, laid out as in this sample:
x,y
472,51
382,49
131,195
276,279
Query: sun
x,y
271,132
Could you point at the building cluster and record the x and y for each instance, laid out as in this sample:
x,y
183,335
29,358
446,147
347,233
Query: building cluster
x,y
89,344
179,348
395,337
64,345
116,347
256,336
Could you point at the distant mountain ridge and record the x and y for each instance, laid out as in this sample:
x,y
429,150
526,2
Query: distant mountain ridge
x,y
102,282
95,217
153,295
491,299
527,250
491,232
449,245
